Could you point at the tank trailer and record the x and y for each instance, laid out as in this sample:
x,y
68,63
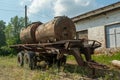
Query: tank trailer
x,y
49,43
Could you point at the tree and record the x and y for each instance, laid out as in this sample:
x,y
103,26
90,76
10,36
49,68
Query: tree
x,y
12,30
2,33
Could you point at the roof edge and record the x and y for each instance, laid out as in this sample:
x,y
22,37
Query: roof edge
x,y
96,12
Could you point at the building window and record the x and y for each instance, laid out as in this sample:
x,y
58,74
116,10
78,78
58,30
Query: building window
x,y
82,34
113,36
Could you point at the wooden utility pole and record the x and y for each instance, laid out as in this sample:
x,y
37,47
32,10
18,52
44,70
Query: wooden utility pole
x,y
25,16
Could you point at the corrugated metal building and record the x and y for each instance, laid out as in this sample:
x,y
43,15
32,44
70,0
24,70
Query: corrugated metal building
x,y
102,24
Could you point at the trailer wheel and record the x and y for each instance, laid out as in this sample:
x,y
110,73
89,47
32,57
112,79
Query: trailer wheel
x,y
20,59
29,60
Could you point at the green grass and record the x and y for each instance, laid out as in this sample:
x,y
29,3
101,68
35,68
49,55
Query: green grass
x,y
9,70
102,58
106,59
112,74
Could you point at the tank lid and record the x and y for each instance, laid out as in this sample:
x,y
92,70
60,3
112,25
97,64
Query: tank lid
x,y
35,23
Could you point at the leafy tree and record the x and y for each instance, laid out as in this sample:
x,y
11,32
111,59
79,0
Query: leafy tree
x,y
11,34
13,30
2,33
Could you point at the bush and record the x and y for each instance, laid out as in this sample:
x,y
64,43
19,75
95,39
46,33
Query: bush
x,y
5,50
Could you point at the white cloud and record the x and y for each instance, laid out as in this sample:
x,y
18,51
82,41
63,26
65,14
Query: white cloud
x,y
36,6
60,7
73,7
83,3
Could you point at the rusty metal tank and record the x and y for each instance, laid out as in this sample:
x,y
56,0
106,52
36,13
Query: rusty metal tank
x,y
60,28
27,35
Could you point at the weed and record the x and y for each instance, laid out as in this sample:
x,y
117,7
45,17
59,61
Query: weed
x,y
9,70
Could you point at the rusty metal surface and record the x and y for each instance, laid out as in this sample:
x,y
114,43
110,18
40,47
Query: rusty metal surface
x,y
78,57
71,47
96,65
64,44
27,35
60,28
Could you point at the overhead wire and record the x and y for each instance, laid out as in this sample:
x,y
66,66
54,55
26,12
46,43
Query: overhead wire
x,y
11,10
6,3
7,9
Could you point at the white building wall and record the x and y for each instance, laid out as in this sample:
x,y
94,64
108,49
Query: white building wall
x,y
101,20
97,33
96,25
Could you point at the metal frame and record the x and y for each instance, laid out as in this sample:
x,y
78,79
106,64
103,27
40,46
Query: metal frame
x,y
70,47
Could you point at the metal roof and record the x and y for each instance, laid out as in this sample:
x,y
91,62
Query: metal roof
x,y
96,12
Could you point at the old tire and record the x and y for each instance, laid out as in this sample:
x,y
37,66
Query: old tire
x,y
29,60
20,59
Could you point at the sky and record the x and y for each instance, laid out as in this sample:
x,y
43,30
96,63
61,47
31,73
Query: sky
x,y
45,10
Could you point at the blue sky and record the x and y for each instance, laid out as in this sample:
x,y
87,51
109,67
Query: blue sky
x,y
45,10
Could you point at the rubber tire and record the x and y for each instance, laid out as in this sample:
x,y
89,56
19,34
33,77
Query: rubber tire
x,y
20,59
29,60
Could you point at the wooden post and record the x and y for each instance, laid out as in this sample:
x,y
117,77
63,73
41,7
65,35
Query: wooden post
x,y
25,16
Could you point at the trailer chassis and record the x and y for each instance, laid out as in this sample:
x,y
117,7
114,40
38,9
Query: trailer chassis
x,y
32,53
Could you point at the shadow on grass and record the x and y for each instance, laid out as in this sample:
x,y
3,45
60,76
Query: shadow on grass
x,y
110,74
